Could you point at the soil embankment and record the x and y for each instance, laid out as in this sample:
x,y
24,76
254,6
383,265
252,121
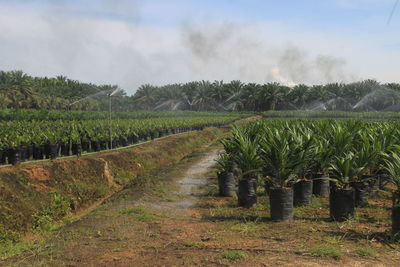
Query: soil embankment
x,y
34,196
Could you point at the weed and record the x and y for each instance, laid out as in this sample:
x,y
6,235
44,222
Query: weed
x,y
7,235
127,211
123,177
143,215
194,244
58,208
233,255
334,240
221,212
366,252
9,248
246,227
326,251
153,234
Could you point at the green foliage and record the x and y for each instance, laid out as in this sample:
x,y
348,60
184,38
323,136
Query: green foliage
x,y
392,165
234,255
343,150
327,251
346,169
194,244
19,90
58,208
142,214
366,252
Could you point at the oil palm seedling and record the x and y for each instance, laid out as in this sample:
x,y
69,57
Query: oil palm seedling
x,y
226,177
366,157
28,136
304,150
345,169
246,156
392,166
277,148
320,166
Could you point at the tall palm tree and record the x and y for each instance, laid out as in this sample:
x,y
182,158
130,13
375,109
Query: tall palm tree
x,y
271,94
145,96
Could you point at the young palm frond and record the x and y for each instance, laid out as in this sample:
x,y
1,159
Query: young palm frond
x,y
392,165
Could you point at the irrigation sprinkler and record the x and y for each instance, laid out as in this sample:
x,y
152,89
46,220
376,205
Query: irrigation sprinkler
x,y
109,107
110,112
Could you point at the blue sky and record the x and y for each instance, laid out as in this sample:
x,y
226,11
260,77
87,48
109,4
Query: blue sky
x,y
155,41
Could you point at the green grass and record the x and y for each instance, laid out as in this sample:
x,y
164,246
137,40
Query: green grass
x,y
142,213
366,252
128,211
326,251
246,228
194,244
145,217
234,255
334,240
9,249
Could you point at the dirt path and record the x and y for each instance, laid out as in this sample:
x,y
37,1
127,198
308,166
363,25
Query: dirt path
x,y
181,222
189,187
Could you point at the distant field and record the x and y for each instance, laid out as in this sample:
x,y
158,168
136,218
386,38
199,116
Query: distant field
x,y
39,134
330,114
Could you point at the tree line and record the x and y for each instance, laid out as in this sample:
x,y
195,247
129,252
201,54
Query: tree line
x,y
19,90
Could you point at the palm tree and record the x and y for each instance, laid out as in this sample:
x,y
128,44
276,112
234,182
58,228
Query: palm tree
x,y
271,94
145,96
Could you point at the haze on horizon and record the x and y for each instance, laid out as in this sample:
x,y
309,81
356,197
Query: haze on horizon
x,y
131,43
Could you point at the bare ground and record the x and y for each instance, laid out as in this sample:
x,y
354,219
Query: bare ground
x,y
181,222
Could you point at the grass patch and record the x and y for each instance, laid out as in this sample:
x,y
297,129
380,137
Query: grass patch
x,y
327,251
366,252
170,200
160,192
221,212
246,228
334,240
234,255
45,218
142,214
10,249
145,217
194,244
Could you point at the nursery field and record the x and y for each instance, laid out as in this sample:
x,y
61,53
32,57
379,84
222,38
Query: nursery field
x,y
333,114
344,159
36,135
168,225
288,192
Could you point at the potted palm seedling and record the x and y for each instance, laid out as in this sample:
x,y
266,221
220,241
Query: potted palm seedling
x,y
366,156
249,162
392,166
320,167
303,148
342,195
226,178
51,144
14,154
279,159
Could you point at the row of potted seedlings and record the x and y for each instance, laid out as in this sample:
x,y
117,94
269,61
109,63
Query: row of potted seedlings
x,y
346,161
49,140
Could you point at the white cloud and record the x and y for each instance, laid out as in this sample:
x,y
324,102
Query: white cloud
x,y
99,50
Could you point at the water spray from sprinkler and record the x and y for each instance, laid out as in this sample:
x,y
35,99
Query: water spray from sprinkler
x,y
392,13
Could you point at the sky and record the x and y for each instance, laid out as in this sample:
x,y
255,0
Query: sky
x,y
136,42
